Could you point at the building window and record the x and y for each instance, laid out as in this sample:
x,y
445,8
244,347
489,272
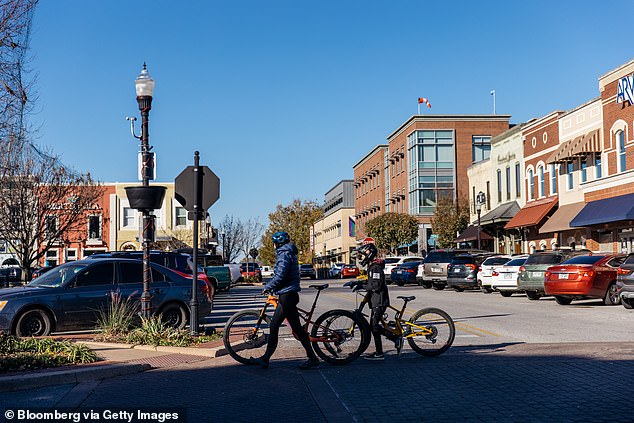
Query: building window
x,y
542,181
531,185
51,258
597,165
499,176
553,179
128,217
620,136
480,148
94,228
51,226
518,181
181,216
508,183
569,169
584,172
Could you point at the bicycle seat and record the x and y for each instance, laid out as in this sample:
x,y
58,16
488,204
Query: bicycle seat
x,y
319,287
406,299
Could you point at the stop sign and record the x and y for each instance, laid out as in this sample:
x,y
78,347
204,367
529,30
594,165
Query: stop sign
x,y
368,240
209,187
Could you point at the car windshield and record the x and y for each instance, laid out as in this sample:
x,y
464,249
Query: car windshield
x,y
544,259
516,262
438,257
349,266
495,260
252,266
583,260
391,260
306,266
462,260
58,276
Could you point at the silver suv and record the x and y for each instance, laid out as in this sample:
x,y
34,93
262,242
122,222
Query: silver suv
x,y
435,266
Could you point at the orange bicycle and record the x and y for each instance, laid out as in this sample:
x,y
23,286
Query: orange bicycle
x,y
337,336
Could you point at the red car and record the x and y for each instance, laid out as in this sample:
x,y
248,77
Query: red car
x,y
582,277
349,271
254,271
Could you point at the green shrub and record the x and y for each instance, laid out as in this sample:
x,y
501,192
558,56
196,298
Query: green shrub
x,y
119,318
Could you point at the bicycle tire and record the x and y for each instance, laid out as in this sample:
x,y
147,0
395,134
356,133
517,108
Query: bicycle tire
x,y
241,337
443,328
348,328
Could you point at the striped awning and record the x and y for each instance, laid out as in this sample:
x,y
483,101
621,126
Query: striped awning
x,y
590,144
562,155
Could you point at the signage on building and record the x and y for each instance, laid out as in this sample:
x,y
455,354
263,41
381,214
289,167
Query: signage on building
x,y
368,240
506,158
626,90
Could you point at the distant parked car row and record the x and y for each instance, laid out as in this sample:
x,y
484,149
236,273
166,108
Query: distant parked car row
x,y
565,274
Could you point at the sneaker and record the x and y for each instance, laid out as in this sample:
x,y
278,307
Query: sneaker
x,y
309,364
374,356
263,363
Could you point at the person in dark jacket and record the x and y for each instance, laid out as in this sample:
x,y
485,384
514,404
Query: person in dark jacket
x,y
377,295
285,284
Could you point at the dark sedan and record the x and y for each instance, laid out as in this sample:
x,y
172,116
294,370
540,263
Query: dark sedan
x,y
71,296
462,272
405,273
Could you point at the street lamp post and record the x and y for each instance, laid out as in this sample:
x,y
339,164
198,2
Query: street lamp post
x,y
144,85
224,247
480,200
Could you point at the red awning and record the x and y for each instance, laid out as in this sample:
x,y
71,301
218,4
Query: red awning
x,y
532,213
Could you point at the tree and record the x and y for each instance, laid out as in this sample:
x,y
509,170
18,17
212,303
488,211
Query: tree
x,y
296,218
230,231
251,231
450,218
390,230
41,201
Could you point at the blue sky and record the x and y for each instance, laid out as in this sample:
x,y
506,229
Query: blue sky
x,y
282,98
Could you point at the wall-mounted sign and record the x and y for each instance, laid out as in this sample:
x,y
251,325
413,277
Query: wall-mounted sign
x,y
506,158
626,90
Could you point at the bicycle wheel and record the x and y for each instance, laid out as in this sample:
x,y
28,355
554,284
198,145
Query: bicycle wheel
x,y
343,336
244,338
442,333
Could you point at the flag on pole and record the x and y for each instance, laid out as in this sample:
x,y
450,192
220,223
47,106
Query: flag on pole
x,y
424,100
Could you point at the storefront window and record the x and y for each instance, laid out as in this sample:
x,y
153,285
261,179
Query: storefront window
x,y
553,179
597,165
584,173
531,185
569,169
542,182
620,136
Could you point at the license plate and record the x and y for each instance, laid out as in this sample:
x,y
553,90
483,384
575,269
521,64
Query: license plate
x,y
537,274
508,276
563,276
398,272
436,270
456,270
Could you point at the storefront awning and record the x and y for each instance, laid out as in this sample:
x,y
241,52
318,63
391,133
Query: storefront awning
x,y
532,213
589,144
605,211
471,234
560,220
501,214
562,154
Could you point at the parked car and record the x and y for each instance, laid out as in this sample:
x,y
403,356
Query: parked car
x,y
178,262
462,272
349,271
625,282
10,270
253,271
582,277
234,268
405,273
335,270
221,275
393,262
307,271
71,296
266,271
504,278
39,271
485,272
531,276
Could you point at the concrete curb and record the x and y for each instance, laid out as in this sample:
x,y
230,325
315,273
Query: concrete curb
x,y
75,375
203,352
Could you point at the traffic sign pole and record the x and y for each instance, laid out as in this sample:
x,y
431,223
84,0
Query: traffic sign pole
x,y
193,304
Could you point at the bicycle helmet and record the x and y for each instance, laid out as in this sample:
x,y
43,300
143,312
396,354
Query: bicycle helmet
x,y
280,238
368,253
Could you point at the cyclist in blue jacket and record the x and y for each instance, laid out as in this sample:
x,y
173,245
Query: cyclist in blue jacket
x,y
285,284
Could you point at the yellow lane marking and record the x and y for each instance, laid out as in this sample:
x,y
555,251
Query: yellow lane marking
x,y
459,325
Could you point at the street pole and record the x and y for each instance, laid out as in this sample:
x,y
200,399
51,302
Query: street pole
x,y
479,242
193,305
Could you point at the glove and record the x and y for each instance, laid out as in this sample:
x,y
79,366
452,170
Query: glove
x,y
265,292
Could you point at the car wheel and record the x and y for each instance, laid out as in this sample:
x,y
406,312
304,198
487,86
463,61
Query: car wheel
x,y
562,300
533,295
486,289
439,287
427,285
458,289
400,283
611,295
33,323
506,293
626,303
174,316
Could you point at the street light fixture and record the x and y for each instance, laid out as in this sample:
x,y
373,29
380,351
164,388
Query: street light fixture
x,y
480,200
